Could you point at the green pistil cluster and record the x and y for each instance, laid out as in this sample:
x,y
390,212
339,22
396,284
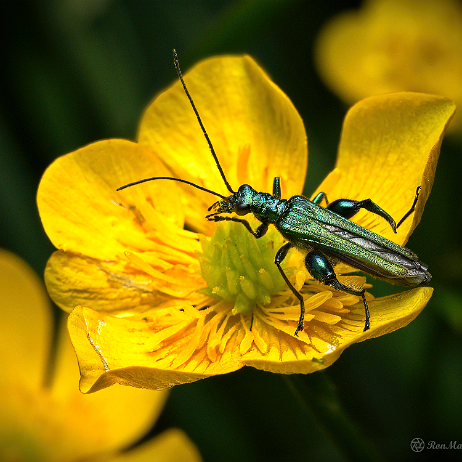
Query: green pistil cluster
x,y
239,268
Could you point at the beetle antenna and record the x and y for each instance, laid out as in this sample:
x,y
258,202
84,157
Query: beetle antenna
x,y
173,179
177,67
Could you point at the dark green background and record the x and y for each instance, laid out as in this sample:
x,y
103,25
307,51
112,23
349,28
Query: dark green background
x,y
74,71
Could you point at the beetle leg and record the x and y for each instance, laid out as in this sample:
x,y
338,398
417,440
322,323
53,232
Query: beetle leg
x,y
412,207
259,232
320,197
347,208
277,187
319,266
281,254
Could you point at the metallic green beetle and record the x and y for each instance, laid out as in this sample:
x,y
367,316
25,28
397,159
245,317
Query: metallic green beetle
x,y
326,234
328,237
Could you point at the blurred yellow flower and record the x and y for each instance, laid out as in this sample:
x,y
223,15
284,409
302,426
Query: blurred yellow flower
x,y
394,45
51,420
155,304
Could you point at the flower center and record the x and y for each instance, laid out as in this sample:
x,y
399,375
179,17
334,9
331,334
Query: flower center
x,y
239,268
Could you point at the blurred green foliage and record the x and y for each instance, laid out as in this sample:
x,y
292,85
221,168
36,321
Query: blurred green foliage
x,y
75,71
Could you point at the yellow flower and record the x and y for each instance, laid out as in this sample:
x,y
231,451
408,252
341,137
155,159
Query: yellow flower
x,y
394,45
161,305
50,420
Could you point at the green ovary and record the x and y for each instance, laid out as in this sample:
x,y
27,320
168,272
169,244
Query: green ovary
x,y
239,268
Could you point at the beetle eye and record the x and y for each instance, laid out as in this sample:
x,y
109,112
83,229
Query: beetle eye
x,y
242,209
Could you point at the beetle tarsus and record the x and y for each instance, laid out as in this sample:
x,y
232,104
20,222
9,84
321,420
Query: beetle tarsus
x,y
367,324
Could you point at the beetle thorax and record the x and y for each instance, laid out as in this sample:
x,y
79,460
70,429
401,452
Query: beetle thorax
x,y
267,208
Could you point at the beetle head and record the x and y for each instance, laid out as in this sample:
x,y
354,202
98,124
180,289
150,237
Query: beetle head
x,y
240,202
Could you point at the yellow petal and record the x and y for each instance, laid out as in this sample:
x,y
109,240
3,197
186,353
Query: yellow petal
x,y
394,45
172,445
288,355
58,422
121,350
82,212
26,324
255,130
344,52
156,353
118,287
389,146
108,421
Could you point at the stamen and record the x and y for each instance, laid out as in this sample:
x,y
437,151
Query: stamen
x,y
239,268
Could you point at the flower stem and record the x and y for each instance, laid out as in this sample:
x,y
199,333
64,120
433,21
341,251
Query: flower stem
x,y
319,400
